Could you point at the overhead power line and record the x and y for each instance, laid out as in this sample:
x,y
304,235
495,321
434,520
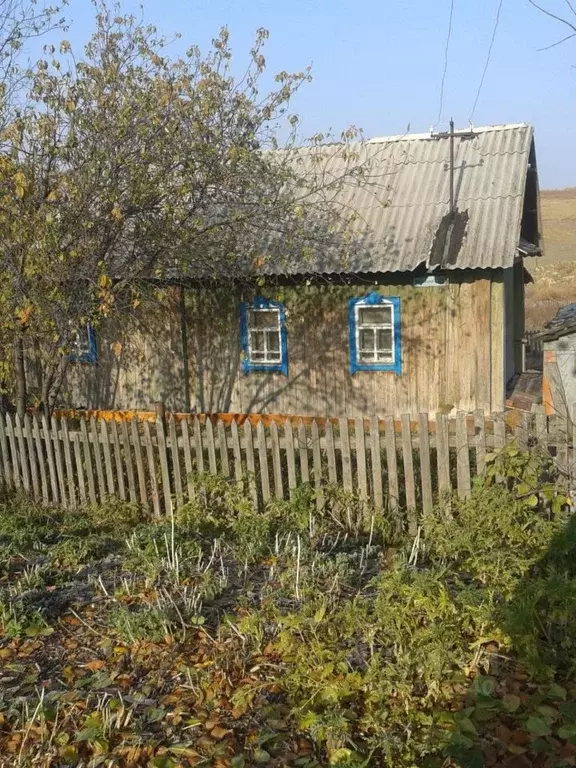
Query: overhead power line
x,y
488,58
446,50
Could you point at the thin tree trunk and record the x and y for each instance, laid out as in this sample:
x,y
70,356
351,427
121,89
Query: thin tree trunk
x,y
20,375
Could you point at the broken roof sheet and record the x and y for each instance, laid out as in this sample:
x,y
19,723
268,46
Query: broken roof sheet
x,y
562,324
403,204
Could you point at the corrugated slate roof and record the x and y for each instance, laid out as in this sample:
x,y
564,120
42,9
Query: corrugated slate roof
x,y
403,202
562,324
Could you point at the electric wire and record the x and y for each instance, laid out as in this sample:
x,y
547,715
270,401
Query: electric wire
x,y
488,58
446,51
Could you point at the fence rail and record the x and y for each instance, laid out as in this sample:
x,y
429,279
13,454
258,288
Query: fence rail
x,y
395,463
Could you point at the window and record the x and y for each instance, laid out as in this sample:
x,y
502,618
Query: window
x,y
264,336
84,346
374,324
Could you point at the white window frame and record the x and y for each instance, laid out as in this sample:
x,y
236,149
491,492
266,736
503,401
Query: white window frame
x,y
270,357
375,327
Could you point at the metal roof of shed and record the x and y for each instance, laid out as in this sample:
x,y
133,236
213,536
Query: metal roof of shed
x,y
405,199
562,324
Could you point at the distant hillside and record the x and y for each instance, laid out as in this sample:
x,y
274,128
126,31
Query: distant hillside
x,y
555,273
559,224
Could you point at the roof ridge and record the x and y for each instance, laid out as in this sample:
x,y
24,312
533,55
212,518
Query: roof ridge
x,y
431,136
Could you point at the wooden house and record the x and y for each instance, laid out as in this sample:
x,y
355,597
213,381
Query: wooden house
x,y
426,315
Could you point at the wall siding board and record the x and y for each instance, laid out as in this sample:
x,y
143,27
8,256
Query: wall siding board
x,y
446,357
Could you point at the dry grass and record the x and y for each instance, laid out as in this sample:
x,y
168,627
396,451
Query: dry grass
x,y
555,273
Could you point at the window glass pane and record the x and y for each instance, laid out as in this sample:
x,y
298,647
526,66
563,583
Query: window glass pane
x,y
385,340
366,356
257,340
366,340
273,338
381,315
264,318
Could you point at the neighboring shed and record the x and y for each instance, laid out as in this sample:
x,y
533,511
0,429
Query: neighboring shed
x,y
426,314
558,341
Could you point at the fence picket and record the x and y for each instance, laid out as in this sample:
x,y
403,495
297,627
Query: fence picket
x,y
521,432
561,430
102,489
51,461
7,469
263,460
541,427
290,455
164,471
316,463
176,472
223,447
198,446
236,451
67,443
376,461
107,458
480,429
443,454
59,462
187,459
32,456
409,482
303,452
211,446
346,456
462,456
250,461
13,452
136,442
392,464
360,440
425,468
79,467
88,461
41,461
117,451
129,463
276,461
152,469
330,453
499,431
23,453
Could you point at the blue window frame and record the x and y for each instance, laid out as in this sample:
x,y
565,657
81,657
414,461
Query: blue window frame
x,y
264,343
84,349
375,338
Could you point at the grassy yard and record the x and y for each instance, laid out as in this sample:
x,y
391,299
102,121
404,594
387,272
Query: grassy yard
x,y
294,637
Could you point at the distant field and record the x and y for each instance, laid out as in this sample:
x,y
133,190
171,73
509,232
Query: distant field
x,y
555,273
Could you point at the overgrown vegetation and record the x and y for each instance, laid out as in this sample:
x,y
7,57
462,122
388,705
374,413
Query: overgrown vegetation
x,y
312,634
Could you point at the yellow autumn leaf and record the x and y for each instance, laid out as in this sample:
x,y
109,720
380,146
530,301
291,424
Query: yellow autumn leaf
x,y
116,213
21,184
23,314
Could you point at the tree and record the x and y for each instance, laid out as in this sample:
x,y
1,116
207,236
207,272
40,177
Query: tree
x,y
571,25
20,22
129,168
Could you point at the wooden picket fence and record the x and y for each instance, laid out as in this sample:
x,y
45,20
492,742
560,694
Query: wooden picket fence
x,y
394,463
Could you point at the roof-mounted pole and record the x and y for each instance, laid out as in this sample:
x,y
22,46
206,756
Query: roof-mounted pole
x,y
451,167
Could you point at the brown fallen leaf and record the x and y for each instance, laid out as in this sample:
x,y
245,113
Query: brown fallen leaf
x,y
95,665
218,732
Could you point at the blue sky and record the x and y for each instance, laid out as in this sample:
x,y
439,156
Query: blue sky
x,y
378,63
